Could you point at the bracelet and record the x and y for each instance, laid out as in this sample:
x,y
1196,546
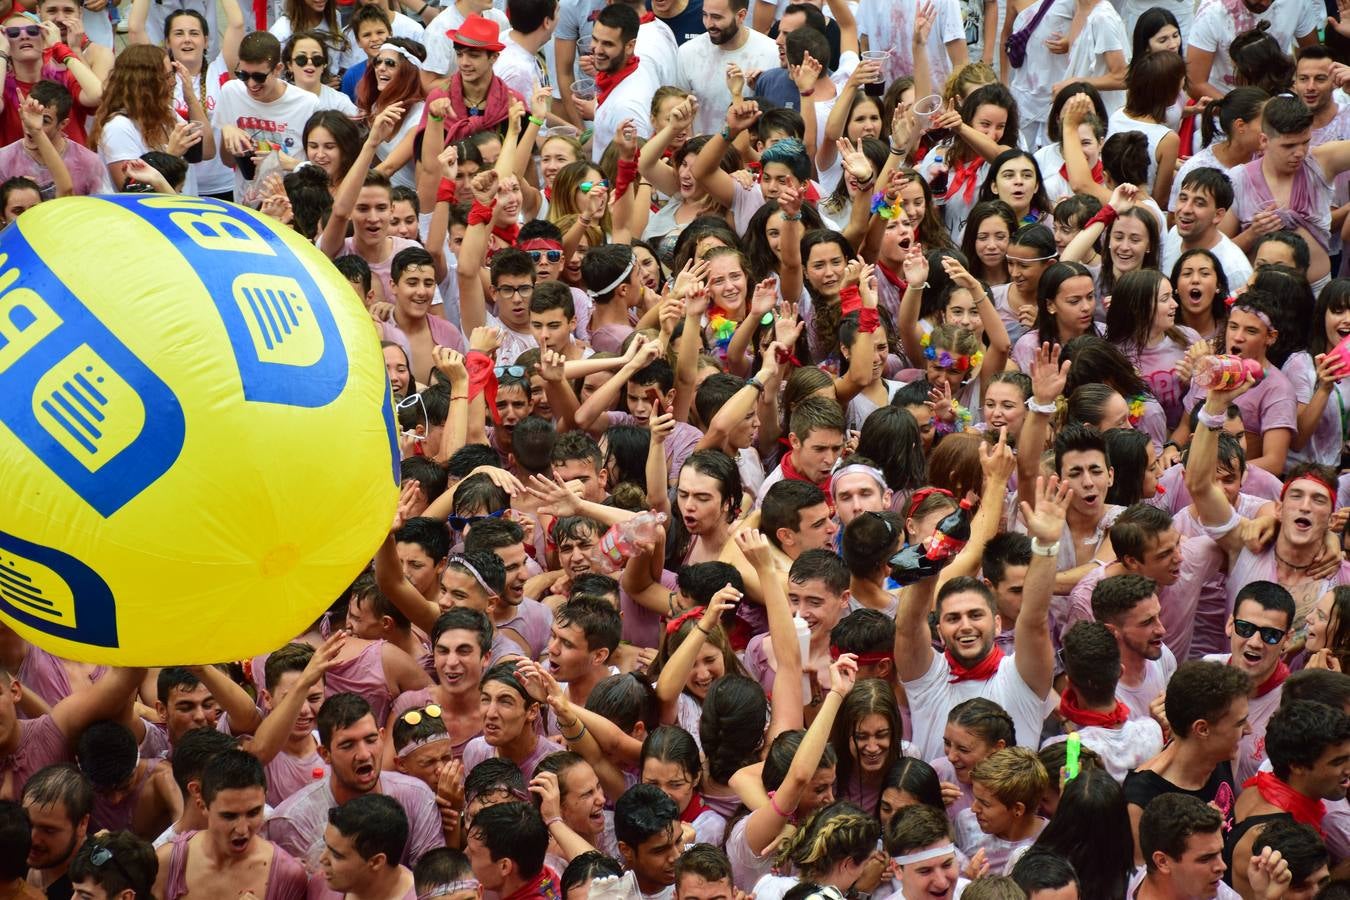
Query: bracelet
x,y
754,383
836,691
576,737
1212,421
422,11
460,397
726,133
773,804
699,626
535,120
897,151
551,821
805,94
1045,409
796,218
435,118
1039,549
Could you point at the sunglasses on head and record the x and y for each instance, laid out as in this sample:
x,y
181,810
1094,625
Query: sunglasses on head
x,y
551,255
588,186
1269,634
303,59
513,371
102,855
388,62
460,523
414,716
13,31
255,77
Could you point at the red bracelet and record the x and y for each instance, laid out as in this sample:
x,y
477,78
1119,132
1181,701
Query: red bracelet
x,y
850,298
480,214
1106,215
445,193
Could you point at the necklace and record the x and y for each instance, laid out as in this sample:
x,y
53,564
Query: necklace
x,y
1287,564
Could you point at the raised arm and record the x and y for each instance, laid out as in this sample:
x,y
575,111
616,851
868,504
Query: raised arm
x,y
30,113
767,822
707,165
997,463
1211,503
913,638
805,77
270,736
915,267
863,352
1075,161
591,416
1048,377
675,673
651,159
977,140
344,201
389,571
233,700
741,403
233,34
104,699
1035,656
789,703
791,271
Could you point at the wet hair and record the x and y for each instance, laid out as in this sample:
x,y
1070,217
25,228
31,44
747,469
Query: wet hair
x,y
1007,548
891,434
625,699
731,725
1091,830
1299,845
1127,455
916,778
588,866
1042,869
1201,690
342,710
1135,529
641,812
672,744
1091,660
133,862
1300,732
870,539
1074,438
1052,279
515,830
232,770
1240,104
1170,819
916,827
986,720
1218,308
838,832
863,631
784,748
868,697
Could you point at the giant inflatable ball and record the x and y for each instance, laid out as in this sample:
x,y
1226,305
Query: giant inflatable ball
x,y
197,448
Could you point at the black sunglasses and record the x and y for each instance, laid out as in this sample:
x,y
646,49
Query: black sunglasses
x,y
386,62
302,60
255,77
1269,634
551,255
13,31
459,523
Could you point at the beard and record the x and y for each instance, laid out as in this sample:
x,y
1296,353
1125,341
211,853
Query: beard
x,y
725,36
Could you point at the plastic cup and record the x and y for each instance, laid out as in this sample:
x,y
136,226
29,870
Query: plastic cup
x,y
584,89
559,131
925,108
877,56
877,86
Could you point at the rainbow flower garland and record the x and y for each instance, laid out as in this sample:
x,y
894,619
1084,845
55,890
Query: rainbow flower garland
x,y
1136,410
721,329
947,360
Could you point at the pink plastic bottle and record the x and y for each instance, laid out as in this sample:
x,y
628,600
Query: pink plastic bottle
x,y
1223,373
621,541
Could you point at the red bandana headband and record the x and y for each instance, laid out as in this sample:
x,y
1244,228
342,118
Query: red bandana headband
x,y
695,614
1315,479
923,494
864,659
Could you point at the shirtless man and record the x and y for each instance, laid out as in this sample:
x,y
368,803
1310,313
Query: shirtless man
x,y
363,843
230,858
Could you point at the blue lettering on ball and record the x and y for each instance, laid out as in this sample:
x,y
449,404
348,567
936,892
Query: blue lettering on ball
x,y
55,593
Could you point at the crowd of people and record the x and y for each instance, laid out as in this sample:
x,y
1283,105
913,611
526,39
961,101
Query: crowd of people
x,y
870,449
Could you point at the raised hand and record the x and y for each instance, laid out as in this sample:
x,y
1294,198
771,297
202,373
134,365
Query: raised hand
x,y
484,186
545,787
765,297
385,124
486,339
915,266
788,326
854,161
1074,111
1048,375
903,124
790,201
1268,874
1045,521
755,547
440,108
551,365
557,498
997,460
1124,197
959,276
867,285
625,137
843,674
448,159
735,82
806,75
541,101
694,274
662,427
409,500
924,17
742,116
450,363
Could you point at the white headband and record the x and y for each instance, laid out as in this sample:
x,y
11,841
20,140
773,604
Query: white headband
x,y
595,295
857,469
401,51
922,855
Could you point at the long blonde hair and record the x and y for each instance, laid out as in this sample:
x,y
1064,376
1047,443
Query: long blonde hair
x,y
139,89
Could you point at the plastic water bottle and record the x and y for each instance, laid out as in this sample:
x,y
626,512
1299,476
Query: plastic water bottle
x,y
1223,373
804,643
622,540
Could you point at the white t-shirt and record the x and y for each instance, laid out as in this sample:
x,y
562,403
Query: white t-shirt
x,y
702,70
519,68
440,50
931,698
1217,22
630,99
1235,263
406,176
331,99
890,26
656,45
1123,749
121,141
1102,33
213,176
403,27
1324,446
280,122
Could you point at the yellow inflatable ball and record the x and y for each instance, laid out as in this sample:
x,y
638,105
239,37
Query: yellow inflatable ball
x,y
196,431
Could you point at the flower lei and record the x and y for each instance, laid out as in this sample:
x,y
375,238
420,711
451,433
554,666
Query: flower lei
x,y
1136,410
947,360
887,209
961,419
721,329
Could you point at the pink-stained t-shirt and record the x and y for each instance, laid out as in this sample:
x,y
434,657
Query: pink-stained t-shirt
x,y
286,878
45,675
41,743
362,674
287,774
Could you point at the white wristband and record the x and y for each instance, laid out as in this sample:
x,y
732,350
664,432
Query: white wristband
x,y
1045,409
1039,549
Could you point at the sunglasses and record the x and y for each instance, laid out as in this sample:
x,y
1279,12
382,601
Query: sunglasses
x,y
460,523
13,31
414,716
386,62
302,60
513,371
1269,634
588,186
102,856
551,255
255,77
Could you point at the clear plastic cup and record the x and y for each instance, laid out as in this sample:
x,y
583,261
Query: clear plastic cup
x,y
925,108
879,57
585,89
558,131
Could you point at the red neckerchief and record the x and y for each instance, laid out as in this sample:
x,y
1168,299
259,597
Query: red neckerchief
x,y
981,671
892,277
1275,680
790,472
965,179
1087,718
811,195
507,234
1097,172
646,18
1303,808
548,194
482,379
543,886
694,809
496,107
608,81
